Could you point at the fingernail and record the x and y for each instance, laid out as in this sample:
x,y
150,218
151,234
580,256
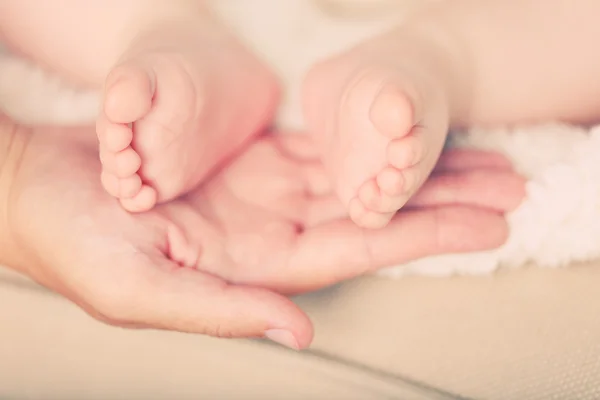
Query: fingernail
x,y
283,337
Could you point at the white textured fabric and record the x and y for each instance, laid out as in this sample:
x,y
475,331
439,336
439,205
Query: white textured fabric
x,y
559,222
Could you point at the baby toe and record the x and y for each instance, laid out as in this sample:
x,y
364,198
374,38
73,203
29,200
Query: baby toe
x,y
113,137
370,195
129,187
392,112
366,218
391,181
125,188
122,164
110,183
375,199
405,152
143,201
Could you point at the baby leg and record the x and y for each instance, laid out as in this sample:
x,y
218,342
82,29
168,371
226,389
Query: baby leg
x,y
381,110
181,94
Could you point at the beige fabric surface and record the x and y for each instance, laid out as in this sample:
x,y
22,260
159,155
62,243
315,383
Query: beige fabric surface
x,y
527,334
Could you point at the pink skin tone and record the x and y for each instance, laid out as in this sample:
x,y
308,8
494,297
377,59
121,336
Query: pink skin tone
x,y
380,111
196,264
377,145
176,86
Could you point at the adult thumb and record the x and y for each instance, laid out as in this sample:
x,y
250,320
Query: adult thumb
x,y
153,292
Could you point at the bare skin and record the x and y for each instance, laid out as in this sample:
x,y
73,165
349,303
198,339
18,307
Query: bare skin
x,y
181,94
195,264
381,111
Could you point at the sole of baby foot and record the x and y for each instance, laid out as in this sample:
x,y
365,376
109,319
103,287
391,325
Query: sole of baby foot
x,y
381,138
163,128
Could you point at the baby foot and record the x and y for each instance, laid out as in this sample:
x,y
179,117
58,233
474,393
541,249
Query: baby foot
x,y
174,110
380,126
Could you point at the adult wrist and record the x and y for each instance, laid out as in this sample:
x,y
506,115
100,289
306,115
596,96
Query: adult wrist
x,y
13,142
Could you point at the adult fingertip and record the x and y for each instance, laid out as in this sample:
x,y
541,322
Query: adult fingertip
x,y
277,317
460,159
294,330
283,337
495,233
516,192
188,300
465,229
497,190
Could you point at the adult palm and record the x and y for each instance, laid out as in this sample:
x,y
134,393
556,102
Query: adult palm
x,y
220,260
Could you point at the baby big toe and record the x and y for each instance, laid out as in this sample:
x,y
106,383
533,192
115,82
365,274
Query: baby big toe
x,y
392,113
128,94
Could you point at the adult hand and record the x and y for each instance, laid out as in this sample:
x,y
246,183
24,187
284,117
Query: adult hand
x,y
213,262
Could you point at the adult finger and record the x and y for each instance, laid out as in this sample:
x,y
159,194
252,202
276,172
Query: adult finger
x,y
322,209
296,145
462,159
501,190
339,250
153,292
